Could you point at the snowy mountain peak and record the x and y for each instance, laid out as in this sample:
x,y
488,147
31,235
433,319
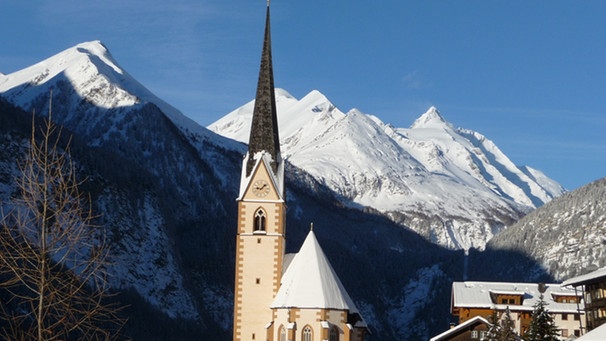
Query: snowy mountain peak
x,y
96,49
87,73
283,93
429,169
430,119
89,67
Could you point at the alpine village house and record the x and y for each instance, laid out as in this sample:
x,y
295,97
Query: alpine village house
x,y
277,296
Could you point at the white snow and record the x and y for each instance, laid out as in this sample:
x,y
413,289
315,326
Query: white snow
x,y
311,282
430,168
598,334
463,326
477,295
276,179
97,78
582,279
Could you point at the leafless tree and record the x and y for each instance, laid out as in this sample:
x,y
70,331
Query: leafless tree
x,y
53,258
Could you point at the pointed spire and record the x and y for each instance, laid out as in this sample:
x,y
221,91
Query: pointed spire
x,y
264,129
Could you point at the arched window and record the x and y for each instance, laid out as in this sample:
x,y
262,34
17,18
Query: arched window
x,y
307,334
282,333
334,334
260,219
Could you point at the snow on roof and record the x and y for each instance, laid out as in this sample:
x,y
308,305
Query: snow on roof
x,y
586,278
311,282
598,334
507,292
266,158
479,295
471,321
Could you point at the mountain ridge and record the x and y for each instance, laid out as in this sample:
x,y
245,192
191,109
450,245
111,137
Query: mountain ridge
x,y
566,236
404,172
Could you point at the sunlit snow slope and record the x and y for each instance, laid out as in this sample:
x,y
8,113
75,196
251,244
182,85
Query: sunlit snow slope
x,y
101,103
452,185
98,82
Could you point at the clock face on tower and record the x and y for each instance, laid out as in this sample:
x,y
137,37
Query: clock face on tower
x,y
260,188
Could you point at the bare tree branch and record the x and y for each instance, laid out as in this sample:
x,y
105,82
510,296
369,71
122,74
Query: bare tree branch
x,y
52,255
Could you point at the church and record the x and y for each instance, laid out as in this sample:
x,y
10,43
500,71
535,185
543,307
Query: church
x,y
278,296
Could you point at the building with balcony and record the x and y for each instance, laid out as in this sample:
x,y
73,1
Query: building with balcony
x,y
592,287
472,299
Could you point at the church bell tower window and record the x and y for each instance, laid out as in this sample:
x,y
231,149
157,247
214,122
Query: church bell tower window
x,y
260,219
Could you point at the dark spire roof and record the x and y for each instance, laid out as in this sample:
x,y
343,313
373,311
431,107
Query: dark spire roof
x,y
264,128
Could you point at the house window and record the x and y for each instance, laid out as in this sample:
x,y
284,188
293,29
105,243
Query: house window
x,y
334,334
307,334
503,301
282,333
564,317
564,332
512,301
260,219
474,334
577,317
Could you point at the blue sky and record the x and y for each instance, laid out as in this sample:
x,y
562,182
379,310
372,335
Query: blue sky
x,y
529,75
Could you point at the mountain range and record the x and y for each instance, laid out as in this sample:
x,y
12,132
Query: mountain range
x,y
451,185
381,198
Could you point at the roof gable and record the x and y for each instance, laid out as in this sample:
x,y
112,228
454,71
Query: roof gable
x,y
262,170
592,277
311,282
478,320
597,334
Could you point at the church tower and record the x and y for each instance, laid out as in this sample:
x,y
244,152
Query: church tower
x,y
261,212
304,300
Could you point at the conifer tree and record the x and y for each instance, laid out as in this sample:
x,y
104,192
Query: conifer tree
x,y
508,328
542,327
502,328
495,328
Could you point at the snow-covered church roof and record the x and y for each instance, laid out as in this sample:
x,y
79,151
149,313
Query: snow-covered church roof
x,y
311,282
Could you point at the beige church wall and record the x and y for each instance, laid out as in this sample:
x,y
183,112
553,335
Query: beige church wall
x,y
259,267
313,318
274,216
258,281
